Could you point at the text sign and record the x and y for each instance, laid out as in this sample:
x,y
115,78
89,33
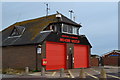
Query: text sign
x,y
70,39
39,50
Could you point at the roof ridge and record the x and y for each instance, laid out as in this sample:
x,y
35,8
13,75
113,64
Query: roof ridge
x,y
70,19
30,20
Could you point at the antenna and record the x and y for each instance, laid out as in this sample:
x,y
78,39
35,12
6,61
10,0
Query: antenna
x,y
47,9
74,18
71,11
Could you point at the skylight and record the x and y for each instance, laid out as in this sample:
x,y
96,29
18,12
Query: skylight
x,y
17,31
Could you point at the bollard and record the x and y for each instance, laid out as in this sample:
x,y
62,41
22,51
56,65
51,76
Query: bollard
x,y
62,72
103,73
82,73
26,70
43,71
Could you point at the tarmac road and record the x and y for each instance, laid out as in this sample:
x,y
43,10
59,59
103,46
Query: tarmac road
x,y
91,73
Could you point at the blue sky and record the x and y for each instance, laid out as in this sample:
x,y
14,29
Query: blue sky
x,y
99,19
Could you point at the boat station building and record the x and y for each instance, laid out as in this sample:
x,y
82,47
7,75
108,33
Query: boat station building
x,y
52,42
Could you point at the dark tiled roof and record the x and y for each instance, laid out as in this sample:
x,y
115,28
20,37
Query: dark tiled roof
x,y
32,30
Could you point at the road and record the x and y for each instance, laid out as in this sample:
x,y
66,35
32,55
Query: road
x,y
90,73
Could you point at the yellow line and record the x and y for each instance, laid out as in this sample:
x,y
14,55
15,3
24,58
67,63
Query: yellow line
x,y
92,75
53,73
71,74
107,74
113,76
96,71
68,76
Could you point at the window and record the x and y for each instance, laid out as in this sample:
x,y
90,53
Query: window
x,y
53,27
65,28
17,31
69,29
75,30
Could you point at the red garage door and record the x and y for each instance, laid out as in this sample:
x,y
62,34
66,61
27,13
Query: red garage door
x,y
80,56
55,55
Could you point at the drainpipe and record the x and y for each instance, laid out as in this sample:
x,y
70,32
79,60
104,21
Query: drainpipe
x,y
36,59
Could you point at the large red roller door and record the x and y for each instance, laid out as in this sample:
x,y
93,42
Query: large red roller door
x,y
55,55
80,56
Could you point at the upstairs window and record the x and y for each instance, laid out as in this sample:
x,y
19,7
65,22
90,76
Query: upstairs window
x,y
69,29
17,31
65,28
75,30
55,27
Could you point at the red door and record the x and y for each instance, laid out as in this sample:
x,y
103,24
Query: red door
x,y
55,55
80,56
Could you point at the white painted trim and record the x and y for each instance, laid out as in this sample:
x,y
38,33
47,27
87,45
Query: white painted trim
x,y
46,31
14,36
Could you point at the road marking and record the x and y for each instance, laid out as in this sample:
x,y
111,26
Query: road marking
x,y
96,71
71,74
92,75
107,74
53,73
68,76
113,76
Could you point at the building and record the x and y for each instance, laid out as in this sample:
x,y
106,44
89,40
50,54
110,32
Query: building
x,y
111,58
94,60
52,42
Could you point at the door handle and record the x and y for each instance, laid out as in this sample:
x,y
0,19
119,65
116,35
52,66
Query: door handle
x,y
73,59
67,57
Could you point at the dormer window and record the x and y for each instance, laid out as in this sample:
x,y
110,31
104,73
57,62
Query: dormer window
x,y
54,27
17,31
69,29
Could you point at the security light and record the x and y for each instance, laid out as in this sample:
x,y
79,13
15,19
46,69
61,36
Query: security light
x,y
58,16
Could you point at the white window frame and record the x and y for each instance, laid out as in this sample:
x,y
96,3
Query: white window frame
x,y
73,28
46,31
75,31
62,29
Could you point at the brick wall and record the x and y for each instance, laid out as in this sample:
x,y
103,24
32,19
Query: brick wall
x,y
111,60
94,62
39,61
19,57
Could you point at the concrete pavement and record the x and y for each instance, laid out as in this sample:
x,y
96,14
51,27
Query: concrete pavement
x,y
91,73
